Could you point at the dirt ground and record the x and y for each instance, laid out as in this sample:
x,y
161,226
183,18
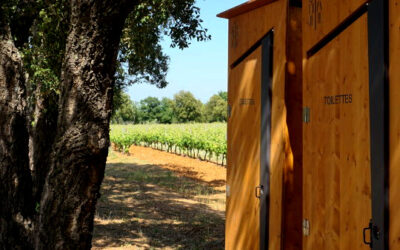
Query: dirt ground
x,y
156,200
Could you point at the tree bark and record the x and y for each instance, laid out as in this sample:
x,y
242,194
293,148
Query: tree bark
x,y
42,132
68,156
81,146
16,206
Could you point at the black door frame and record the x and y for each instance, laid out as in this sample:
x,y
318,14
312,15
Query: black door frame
x,y
379,122
265,147
378,54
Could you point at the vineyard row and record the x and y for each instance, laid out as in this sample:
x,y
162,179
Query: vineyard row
x,y
202,141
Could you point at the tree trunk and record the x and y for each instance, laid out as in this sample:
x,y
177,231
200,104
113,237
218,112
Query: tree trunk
x,y
81,146
16,206
42,132
68,154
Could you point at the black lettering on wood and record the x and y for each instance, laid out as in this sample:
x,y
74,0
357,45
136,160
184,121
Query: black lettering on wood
x,y
314,13
338,99
246,101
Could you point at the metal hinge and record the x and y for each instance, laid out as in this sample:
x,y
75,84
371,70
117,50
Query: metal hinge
x,y
229,111
306,114
306,227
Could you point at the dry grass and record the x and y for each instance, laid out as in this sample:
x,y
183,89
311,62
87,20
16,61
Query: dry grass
x,y
150,206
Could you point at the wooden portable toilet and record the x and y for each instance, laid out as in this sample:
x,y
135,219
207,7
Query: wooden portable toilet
x,y
264,154
351,136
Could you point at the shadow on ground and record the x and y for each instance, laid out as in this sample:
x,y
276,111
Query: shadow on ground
x,y
148,207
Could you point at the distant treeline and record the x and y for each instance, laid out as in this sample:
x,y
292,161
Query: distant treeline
x,y
183,108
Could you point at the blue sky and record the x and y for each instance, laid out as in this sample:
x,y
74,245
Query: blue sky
x,y
201,68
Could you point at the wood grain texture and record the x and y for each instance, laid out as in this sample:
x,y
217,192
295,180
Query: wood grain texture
x,y
243,8
321,16
394,98
242,229
246,29
243,173
293,173
336,163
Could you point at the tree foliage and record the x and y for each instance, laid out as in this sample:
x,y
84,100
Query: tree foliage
x,y
216,108
55,126
126,110
40,29
223,95
187,108
183,108
150,109
167,115
146,26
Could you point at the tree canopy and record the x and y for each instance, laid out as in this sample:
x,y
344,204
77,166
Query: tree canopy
x,y
187,108
60,63
127,111
150,109
184,107
40,30
216,108
167,115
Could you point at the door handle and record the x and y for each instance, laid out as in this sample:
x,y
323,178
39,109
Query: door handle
x,y
369,228
259,191
374,233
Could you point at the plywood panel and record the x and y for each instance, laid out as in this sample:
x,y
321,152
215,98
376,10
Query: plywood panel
x,y
243,173
278,136
243,78
278,125
337,188
394,97
246,29
292,215
243,8
321,16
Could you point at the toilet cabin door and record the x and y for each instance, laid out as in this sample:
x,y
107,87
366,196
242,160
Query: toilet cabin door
x,y
344,139
249,136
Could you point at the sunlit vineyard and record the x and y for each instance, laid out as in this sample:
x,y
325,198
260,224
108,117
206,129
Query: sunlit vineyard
x,y
204,141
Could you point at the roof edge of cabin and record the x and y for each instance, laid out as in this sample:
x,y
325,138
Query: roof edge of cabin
x,y
243,8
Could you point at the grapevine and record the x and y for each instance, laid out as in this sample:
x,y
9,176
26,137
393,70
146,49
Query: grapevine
x,y
203,141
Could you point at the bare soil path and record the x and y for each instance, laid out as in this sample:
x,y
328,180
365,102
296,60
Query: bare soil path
x,y
156,200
